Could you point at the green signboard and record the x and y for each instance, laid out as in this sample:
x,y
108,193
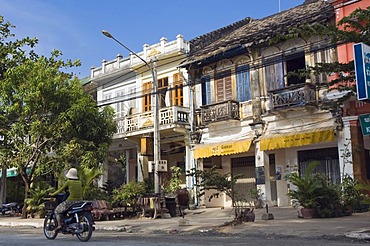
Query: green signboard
x,y
10,173
365,124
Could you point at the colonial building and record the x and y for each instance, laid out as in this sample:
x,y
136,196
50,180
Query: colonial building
x,y
255,120
126,84
352,136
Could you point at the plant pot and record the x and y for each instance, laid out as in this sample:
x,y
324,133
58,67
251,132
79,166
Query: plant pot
x,y
308,213
171,206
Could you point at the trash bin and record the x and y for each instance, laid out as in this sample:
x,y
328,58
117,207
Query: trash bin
x,y
171,205
183,198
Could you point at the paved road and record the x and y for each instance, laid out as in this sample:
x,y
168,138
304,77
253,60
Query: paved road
x,y
30,236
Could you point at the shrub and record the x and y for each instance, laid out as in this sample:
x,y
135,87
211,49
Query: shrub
x,y
127,195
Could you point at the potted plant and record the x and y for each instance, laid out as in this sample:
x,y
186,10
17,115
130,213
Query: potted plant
x,y
170,189
256,194
305,192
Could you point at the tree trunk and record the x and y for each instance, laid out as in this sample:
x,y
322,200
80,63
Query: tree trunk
x,y
26,192
3,185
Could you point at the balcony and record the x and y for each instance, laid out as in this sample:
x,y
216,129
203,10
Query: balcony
x,y
161,49
222,111
141,123
293,96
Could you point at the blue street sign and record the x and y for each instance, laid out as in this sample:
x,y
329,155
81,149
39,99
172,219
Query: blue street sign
x,y
362,69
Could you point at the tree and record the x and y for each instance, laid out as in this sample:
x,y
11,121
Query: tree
x,y
11,54
47,110
353,28
211,179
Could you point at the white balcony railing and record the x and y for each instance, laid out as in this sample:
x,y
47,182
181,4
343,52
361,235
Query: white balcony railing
x,y
143,121
160,49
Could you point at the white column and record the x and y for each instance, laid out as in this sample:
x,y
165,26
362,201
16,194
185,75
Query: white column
x,y
127,154
262,160
140,163
345,147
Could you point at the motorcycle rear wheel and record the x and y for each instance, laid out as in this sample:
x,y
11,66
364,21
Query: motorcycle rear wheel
x,y
50,223
88,229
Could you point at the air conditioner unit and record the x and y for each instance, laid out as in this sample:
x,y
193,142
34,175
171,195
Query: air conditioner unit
x,y
162,166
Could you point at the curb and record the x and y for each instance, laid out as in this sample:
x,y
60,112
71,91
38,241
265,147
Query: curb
x,y
362,234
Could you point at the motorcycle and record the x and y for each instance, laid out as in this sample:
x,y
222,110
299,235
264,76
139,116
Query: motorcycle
x,y
77,220
10,209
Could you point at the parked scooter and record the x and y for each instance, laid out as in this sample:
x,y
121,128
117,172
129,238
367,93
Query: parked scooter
x,y
10,209
77,220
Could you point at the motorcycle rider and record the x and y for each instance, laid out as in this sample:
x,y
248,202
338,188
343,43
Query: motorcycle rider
x,y
74,186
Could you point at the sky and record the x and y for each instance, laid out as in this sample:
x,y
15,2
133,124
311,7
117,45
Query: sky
x,y
74,26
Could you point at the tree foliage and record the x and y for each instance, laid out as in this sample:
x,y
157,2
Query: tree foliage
x,y
212,179
353,28
45,110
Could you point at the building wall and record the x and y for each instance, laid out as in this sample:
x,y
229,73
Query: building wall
x,y
342,9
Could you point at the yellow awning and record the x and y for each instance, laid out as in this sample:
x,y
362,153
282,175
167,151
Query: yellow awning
x,y
296,139
224,148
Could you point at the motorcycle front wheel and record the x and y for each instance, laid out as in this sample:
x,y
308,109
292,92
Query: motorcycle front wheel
x,y
87,226
50,223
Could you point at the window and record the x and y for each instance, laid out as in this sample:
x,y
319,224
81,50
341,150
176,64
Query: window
x,y
120,106
328,162
107,96
206,90
243,83
320,56
223,87
131,96
177,91
274,73
293,63
162,90
147,99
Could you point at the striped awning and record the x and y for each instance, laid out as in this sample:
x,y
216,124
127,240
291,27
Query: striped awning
x,y
296,138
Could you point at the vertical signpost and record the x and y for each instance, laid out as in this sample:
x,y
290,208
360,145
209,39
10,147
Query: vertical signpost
x,y
362,68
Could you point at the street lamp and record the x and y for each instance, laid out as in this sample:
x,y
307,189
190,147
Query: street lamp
x,y
156,135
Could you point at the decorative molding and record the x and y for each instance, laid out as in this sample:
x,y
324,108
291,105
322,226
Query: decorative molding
x,y
207,70
242,60
154,52
223,64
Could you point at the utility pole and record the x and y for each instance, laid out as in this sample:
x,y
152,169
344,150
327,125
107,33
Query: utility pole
x,y
156,116
156,135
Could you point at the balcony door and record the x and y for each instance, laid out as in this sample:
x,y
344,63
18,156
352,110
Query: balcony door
x,y
177,91
243,83
223,87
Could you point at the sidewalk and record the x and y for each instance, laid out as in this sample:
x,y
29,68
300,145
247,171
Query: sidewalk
x,y
285,224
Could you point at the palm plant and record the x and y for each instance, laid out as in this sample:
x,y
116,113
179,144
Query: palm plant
x,y
307,186
314,191
87,176
35,202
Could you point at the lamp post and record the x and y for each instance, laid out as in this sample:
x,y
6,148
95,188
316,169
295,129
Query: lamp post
x,y
156,135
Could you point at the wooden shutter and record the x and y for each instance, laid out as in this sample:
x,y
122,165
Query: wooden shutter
x,y
223,87
206,91
274,73
147,89
243,83
177,91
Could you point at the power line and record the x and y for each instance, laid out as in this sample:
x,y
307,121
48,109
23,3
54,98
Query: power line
x,y
261,62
